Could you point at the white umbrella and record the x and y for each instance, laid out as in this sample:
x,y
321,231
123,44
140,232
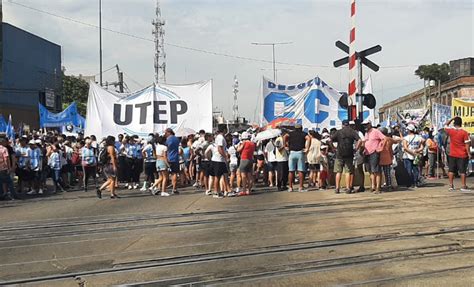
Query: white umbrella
x,y
268,134
184,132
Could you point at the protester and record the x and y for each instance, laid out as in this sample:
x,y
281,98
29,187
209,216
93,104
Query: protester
x,y
162,166
345,139
54,162
372,143
89,164
246,150
314,152
412,147
459,152
281,157
149,155
271,162
219,165
172,142
108,158
298,143
5,168
386,156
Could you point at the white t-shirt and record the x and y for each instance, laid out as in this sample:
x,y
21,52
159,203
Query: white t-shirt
x,y
219,142
271,153
414,143
213,149
233,155
161,150
281,155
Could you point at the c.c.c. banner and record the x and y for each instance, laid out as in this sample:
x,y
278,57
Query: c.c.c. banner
x,y
313,103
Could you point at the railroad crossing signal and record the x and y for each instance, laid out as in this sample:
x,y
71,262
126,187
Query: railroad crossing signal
x,y
359,55
367,100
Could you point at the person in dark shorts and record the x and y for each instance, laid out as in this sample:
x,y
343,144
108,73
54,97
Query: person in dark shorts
x,y
459,152
172,142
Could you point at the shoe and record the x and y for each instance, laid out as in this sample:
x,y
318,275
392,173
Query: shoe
x,y
337,191
98,193
290,189
465,189
155,191
377,191
175,192
130,187
232,194
196,184
126,185
303,190
218,195
32,192
347,191
143,188
40,191
136,186
243,193
164,194
208,192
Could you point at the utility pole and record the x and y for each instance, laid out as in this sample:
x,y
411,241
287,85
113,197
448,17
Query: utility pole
x,y
273,54
100,40
160,55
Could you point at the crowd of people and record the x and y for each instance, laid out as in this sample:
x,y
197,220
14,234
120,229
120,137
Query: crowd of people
x,y
231,164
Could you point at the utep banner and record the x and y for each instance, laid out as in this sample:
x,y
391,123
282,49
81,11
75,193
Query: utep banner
x,y
441,114
314,104
151,110
465,110
64,118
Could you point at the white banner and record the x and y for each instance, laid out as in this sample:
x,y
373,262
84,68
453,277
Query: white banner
x,y
151,110
313,103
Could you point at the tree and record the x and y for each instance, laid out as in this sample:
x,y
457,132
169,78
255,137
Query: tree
x,y
75,90
434,72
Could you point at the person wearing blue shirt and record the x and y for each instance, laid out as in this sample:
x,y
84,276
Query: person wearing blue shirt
x,y
172,142
148,152
54,163
35,166
22,170
137,165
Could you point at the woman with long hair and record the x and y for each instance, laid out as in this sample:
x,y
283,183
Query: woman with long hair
x,y
109,159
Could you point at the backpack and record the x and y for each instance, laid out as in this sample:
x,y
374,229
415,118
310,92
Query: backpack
x,y
345,148
103,156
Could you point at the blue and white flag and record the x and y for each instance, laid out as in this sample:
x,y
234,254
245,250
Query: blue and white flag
x,y
64,118
10,131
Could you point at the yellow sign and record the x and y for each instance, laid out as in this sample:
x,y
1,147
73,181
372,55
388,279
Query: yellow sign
x,y
465,110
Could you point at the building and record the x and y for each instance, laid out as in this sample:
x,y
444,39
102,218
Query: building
x,y
460,85
30,74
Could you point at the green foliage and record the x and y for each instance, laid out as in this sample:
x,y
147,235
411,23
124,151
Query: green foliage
x,y
75,90
433,72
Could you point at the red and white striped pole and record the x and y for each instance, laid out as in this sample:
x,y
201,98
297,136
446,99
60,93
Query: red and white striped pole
x,y
352,65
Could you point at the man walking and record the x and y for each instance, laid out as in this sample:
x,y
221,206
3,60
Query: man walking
x,y
459,152
172,142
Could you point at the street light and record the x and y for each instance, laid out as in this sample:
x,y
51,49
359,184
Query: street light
x,y
100,41
273,54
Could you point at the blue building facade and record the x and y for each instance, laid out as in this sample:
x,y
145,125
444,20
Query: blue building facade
x,y
30,74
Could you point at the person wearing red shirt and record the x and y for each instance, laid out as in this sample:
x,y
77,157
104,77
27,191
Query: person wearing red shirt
x,y
459,152
246,150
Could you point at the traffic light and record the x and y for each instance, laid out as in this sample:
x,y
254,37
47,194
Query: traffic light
x,y
368,100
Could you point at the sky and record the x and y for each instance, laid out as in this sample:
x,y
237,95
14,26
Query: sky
x,y
411,33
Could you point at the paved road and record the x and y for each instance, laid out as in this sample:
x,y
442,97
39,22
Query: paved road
x,y
422,237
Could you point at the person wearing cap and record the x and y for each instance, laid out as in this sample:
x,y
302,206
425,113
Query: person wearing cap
x,y
246,149
372,147
298,143
172,142
412,150
35,167
345,139
281,157
459,152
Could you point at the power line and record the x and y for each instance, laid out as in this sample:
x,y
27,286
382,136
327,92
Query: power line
x,y
186,47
